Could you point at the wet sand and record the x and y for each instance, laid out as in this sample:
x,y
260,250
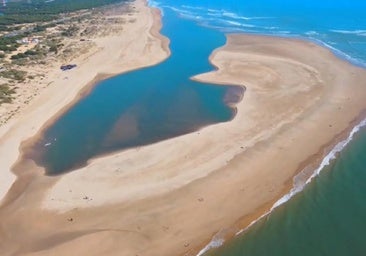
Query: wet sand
x,y
172,197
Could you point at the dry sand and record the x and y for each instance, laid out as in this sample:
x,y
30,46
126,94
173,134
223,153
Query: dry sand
x,y
171,197
140,45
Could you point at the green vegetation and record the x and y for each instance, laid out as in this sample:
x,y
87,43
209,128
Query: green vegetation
x,y
16,16
6,93
18,56
70,31
14,74
29,53
9,28
53,48
40,11
9,44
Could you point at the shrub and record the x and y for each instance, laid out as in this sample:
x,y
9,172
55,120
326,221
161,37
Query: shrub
x,y
6,93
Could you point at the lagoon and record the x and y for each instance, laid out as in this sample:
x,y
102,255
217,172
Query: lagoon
x,y
141,107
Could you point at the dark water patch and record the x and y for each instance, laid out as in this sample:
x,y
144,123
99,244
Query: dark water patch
x,y
141,107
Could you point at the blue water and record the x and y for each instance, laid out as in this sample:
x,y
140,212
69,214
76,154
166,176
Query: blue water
x,y
340,24
328,217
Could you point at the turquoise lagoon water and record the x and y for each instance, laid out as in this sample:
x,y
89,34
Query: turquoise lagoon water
x,y
141,107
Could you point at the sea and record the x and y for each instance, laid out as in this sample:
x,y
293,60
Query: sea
x,y
324,216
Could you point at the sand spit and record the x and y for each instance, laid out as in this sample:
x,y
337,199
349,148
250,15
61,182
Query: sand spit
x,y
171,197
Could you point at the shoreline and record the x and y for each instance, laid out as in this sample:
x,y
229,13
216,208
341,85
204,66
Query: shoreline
x,y
158,207
86,86
327,152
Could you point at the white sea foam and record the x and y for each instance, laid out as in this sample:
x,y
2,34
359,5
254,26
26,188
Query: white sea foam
x,y
214,14
338,148
187,13
247,25
212,10
358,32
181,11
239,17
281,32
216,242
340,53
311,33
191,17
194,7
234,23
298,184
230,21
229,25
200,11
230,15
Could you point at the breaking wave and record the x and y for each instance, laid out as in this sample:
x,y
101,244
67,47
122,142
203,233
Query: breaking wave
x,y
215,242
358,32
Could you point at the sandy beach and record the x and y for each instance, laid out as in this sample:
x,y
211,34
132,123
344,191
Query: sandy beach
x,y
137,44
172,197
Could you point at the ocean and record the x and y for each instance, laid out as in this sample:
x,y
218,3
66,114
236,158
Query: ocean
x,y
327,216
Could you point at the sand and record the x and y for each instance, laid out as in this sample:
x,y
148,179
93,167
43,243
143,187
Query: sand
x,y
172,197
139,46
